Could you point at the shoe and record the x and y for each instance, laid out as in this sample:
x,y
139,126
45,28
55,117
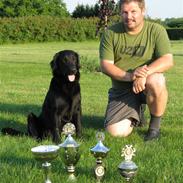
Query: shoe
x,y
152,134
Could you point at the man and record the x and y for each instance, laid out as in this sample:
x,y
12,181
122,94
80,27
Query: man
x,y
135,53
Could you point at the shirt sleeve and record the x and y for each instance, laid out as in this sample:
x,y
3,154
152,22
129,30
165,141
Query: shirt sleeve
x,y
106,46
162,44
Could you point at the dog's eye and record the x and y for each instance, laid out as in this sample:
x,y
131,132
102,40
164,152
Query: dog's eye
x,y
65,60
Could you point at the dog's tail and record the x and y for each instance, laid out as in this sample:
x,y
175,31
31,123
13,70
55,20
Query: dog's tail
x,y
33,128
12,132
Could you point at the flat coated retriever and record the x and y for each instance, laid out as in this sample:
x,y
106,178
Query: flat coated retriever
x,y
62,103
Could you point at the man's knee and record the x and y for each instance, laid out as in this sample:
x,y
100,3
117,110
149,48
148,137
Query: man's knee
x,y
120,129
156,82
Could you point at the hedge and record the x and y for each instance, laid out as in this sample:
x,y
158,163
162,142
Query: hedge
x,y
175,33
47,28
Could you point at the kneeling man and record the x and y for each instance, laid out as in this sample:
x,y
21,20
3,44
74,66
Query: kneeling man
x,y
134,54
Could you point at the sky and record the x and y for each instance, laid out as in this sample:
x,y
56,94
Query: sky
x,y
154,8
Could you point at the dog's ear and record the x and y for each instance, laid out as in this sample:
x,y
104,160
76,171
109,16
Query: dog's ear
x,y
78,60
53,63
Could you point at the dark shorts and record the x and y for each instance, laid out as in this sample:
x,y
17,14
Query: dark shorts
x,y
124,104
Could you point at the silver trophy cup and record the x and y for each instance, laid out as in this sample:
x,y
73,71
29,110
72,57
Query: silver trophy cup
x,y
45,154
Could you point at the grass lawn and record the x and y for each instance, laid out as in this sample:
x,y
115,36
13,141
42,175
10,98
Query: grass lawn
x,y
24,80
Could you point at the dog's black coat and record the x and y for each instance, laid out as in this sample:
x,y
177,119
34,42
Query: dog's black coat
x,y
62,103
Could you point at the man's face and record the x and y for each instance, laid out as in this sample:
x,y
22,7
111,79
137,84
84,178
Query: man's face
x,y
132,15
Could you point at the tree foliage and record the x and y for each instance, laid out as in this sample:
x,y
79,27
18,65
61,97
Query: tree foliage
x,y
86,11
20,8
174,22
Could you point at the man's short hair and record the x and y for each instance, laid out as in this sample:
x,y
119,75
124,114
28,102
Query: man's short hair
x,y
140,2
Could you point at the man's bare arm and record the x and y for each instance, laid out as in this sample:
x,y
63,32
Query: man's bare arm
x,y
158,66
161,64
108,68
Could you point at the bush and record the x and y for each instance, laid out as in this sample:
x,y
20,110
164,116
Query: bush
x,y
46,28
175,33
174,22
89,64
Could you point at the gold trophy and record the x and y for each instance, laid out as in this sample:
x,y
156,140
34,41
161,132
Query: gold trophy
x,y
99,152
128,168
70,150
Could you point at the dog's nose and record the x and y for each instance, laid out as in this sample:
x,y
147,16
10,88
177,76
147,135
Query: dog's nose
x,y
73,70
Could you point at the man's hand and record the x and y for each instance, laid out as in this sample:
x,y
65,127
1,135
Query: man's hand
x,y
139,85
139,79
141,72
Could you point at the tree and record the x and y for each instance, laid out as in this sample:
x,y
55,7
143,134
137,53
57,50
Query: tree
x,y
174,22
86,11
106,9
19,8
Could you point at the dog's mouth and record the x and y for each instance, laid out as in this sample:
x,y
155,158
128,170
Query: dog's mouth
x,y
71,77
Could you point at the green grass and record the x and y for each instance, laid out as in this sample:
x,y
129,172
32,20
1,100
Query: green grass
x,y
24,80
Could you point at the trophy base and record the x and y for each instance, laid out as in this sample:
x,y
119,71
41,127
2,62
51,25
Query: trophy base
x,y
46,167
71,171
128,175
72,177
48,181
99,171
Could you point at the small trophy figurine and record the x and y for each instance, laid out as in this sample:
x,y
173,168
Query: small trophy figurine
x,y
70,150
99,152
128,168
68,128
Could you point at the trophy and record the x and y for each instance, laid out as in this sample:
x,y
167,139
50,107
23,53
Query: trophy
x,y
45,154
128,168
70,150
68,128
99,152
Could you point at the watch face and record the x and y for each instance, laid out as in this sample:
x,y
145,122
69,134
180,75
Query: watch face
x,y
99,171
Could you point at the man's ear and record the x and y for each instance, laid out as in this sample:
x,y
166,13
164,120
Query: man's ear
x,y
143,11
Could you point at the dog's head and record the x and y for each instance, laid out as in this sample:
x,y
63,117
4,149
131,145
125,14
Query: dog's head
x,y
65,64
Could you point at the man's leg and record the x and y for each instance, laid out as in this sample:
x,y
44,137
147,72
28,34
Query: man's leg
x,y
156,96
120,129
142,115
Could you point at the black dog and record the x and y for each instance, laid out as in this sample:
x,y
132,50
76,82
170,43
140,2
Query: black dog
x,y
62,103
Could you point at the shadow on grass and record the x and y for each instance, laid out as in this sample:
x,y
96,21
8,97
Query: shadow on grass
x,y
141,131
95,122
6,158
12,124
20,62
19,109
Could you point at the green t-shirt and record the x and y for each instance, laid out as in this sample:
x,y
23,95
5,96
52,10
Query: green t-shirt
x,y
131,51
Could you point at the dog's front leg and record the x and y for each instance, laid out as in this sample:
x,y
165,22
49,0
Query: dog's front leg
x,y
76,119
78,122
55,130
56,136
75,113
